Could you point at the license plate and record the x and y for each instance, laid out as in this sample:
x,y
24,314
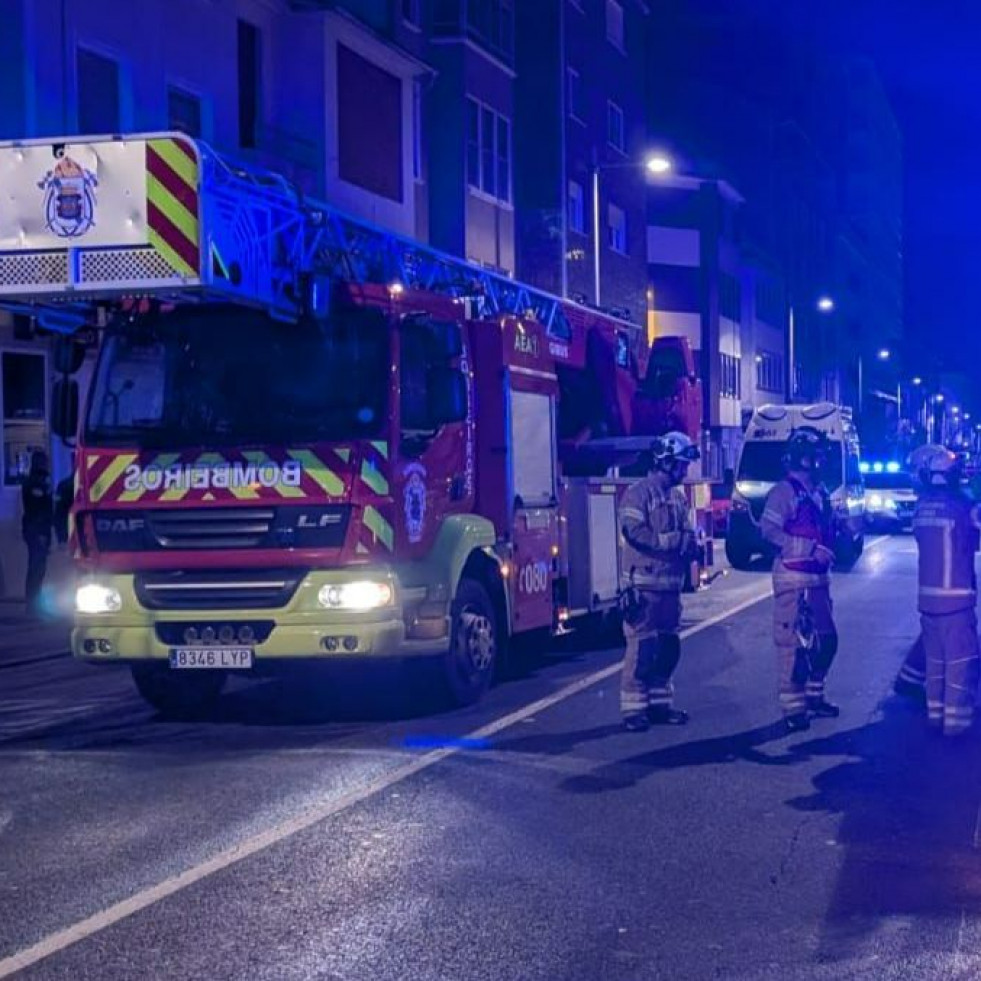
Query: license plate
x,y
217,658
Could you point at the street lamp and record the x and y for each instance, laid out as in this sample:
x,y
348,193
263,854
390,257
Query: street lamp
x,y
824,304
656,164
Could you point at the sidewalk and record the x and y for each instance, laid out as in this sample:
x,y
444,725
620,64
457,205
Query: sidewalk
x,y
23,636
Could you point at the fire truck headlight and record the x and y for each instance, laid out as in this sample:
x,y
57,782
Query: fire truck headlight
x,y
365,595
95,598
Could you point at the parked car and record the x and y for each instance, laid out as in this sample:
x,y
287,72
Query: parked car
x,y
890,497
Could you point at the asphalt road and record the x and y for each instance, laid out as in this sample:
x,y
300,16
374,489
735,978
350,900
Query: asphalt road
x,y
346,827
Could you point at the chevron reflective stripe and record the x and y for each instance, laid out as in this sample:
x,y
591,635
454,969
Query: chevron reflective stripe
x,y
318,471
381,446
380,528
109,475
374,478
283,489
172,204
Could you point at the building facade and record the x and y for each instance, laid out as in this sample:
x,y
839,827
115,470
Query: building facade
x,y
581,140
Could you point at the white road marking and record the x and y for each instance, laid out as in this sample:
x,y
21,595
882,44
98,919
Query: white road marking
x,y
111,915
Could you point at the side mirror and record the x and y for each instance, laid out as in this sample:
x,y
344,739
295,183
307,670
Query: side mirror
x,y
447,396
68,355
64,408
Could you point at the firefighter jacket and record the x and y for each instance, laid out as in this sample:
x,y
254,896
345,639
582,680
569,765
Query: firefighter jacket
x,y
946,528
796,520
37,505
658,538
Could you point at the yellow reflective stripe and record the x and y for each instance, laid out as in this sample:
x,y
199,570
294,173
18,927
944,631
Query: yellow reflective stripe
x,y
162,460
374,479
381,446
110,475
180,267
344,453
319,472
259,458
180,217
379,527
178,161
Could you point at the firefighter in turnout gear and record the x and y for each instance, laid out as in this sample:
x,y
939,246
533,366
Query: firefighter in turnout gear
x,y
658,541
797,520
946,528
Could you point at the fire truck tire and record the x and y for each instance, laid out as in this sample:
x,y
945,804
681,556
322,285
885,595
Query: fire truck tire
x,y
175,694
738,554
468,666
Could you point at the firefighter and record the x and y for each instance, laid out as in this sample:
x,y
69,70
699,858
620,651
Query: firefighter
x,y
911,680
797,519
36,526
658,540
946,528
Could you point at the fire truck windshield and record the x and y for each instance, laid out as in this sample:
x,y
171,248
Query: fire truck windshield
x,y
232,377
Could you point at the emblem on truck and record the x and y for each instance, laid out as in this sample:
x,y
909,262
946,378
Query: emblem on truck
x,y
414,500
69,198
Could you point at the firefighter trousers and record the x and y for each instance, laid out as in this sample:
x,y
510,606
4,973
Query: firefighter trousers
x,y
652,653
952,668
913,670
802,669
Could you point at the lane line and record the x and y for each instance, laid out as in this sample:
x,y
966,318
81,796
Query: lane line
x,y
111,915
37,659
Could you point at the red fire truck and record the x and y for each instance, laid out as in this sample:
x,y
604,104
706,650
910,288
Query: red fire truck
x,y
306,438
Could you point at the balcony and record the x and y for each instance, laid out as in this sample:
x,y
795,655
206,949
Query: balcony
x,y
487,23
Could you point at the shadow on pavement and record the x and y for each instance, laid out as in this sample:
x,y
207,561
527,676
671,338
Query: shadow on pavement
x,y
908,800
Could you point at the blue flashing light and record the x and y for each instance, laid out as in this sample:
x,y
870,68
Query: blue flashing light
x,y
444,742
877,467
892,467
864,467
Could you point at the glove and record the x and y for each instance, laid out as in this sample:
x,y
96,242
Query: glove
x,y
824,555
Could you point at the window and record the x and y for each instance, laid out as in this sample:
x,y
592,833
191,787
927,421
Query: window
x,y
614,126
249,82
730,297
618,229
577,209
410,12
24,421
491,24
769,372
532,448
183,111
417,130
369,157
488,151
730,385
574,93
769,303
98,93
614,23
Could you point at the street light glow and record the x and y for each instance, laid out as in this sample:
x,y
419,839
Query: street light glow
x,y
917,380
938,397
884,354
658,163
825,304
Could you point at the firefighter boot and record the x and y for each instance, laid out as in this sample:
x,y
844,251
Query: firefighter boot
x,y
665,715
822,708
637,722
798,722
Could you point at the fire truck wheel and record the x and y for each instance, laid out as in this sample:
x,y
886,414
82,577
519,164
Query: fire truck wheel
x,y
468,666
738,555
176,695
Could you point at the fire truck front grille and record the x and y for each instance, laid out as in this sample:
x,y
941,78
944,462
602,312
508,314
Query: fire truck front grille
x,y
125,265
210,528
47,268
233,589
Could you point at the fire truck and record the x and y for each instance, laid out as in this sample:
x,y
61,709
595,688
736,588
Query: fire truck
x,y
307,438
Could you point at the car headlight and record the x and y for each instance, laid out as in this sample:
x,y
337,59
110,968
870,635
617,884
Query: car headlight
x,y
95,598
875,501
366,595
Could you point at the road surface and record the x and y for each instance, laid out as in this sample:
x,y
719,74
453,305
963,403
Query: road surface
x,y
324,830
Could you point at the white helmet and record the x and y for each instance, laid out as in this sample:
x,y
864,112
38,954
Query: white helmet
x,y
674,447
935,465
